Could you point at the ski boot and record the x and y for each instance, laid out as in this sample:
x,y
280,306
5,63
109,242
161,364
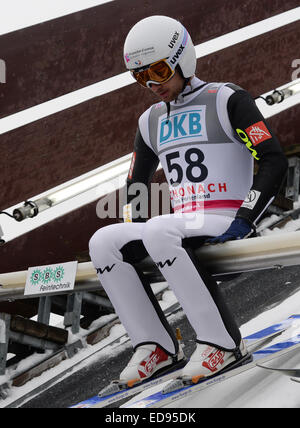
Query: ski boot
x,y
207,361
148,362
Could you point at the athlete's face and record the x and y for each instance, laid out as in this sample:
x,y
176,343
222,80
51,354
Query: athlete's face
x,y
170,90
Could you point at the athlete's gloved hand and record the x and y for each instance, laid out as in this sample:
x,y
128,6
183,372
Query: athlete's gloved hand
x,y
238,229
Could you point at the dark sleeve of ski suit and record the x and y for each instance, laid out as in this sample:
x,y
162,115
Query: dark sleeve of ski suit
x,y
245,116
144,163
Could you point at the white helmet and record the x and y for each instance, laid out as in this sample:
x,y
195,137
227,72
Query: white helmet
x,y
159,37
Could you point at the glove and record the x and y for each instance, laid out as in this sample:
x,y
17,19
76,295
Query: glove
x,y
239,229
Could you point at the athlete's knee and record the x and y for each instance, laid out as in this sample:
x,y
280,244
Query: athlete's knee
x,y
150,233
156,235
102,241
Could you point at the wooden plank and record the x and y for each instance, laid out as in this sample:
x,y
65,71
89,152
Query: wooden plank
x,y
59,56
101,333
259,64
36,329
65,145
37,370
285,127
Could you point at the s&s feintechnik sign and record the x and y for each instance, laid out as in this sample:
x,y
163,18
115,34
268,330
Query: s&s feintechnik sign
x,y
51,278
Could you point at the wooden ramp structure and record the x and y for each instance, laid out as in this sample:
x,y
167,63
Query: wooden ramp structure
x,y
68,54
80,55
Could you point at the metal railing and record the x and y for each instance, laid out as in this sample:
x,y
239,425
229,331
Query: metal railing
x,y
267,252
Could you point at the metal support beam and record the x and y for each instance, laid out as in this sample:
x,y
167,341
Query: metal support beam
x,y
293,179
73,312
268,252
97,300
35,342
44,310
4,338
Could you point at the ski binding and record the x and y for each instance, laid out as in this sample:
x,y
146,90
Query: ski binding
x,y
116,386
183,382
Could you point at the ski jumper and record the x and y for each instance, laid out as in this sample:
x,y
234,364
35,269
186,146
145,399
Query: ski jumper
x,y
206,142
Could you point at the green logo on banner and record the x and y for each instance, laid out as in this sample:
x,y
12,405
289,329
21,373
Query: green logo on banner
x,y
36,277
58,274
46,275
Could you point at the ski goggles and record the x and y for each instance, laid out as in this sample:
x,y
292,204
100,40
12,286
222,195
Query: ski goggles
x,y
158,72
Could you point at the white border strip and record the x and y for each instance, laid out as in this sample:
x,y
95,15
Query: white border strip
x,y
17,14
124,79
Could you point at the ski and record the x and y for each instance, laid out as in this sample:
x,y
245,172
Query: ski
x,y
253,342
262,355
98,402
287,372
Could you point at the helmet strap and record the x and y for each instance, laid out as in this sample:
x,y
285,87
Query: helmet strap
x,y
168,111
186,79
185,83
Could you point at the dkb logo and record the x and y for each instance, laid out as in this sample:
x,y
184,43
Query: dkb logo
x,y
2,71
183,124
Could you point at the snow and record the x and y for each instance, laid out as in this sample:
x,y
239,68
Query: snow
x,y
2,331
256,388
253,389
